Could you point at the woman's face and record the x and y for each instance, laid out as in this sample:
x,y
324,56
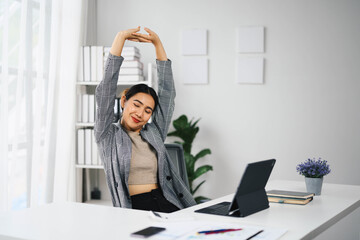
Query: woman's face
x,y
136,111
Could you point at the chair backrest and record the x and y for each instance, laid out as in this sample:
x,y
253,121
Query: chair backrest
x,y
176,154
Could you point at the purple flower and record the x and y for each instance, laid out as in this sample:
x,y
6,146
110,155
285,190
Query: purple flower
x,y
313,168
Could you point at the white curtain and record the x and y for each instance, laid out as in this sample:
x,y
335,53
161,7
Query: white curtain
x,y
40,42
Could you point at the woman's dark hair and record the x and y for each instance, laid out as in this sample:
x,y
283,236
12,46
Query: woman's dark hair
x,y
143,88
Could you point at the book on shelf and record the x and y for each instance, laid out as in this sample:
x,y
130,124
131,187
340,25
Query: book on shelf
x,y
290,197
130,78
81,146
130,71
78,107
94,152
106,52
99,63
130,49
88,147
85,108
91,108
87,64
132,64
131,58
80,65
130,54
95,110
93,63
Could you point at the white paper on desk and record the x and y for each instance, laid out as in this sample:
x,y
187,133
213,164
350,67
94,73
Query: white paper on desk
x,y
245,233
188,231
270,234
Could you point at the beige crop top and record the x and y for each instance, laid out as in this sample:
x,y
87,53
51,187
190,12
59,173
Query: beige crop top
x,y
143,165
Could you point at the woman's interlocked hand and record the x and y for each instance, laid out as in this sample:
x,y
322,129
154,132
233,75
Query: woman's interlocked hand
x,y
151,37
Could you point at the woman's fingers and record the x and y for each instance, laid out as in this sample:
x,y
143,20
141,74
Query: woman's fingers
x,y
151,37
141,35
144,40
133,30
148,30
139,39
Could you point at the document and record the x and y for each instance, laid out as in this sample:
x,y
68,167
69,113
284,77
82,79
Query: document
x,y
189,230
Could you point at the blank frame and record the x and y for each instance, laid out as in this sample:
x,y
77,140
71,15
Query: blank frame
x,y
194,42
250,70
195,70
250,39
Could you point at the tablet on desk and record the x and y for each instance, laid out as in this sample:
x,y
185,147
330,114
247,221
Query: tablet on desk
x,y
250,196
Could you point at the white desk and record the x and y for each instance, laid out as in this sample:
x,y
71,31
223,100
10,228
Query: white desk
x,y
86,221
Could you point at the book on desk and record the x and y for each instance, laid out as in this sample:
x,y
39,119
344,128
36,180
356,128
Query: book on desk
x,y
289,197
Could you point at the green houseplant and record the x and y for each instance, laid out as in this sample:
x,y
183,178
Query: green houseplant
x,y
186,131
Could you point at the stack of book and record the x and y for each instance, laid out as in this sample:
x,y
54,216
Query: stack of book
x,y
132,68
291,197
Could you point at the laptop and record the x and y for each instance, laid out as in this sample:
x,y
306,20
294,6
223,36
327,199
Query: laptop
x,y
250,196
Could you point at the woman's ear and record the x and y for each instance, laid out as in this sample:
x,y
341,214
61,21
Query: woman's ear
x,y
122,101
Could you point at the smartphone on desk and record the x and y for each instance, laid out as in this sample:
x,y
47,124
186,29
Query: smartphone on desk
x,y
147,232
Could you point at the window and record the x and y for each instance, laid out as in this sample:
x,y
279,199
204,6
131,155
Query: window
x,y
24,57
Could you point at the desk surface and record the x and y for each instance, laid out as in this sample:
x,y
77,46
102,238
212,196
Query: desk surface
x,y
86,221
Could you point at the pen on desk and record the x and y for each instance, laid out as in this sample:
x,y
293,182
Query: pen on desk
x,y
219,231
255,235
157,215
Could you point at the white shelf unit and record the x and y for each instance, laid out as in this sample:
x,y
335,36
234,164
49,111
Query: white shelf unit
x,y
89,166
89,176
119,83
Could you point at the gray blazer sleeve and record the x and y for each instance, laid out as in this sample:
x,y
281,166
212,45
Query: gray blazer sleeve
x,y
105,95
166,93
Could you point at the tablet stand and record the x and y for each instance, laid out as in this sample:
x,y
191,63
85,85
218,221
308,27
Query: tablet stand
x,y
250,203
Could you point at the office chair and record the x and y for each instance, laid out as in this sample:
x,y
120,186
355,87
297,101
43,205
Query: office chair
x,y
176,154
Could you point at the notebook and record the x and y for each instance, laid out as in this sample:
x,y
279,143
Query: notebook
x,y
250,196
291,197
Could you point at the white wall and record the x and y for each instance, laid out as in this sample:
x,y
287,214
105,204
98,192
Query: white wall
x,y
308,106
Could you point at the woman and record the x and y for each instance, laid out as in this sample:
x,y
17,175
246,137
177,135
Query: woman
x,y
138,169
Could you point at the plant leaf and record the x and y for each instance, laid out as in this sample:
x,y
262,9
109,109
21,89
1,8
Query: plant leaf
x,y
197,187
201,170
194,124
202,153
181,122
200,199
190,163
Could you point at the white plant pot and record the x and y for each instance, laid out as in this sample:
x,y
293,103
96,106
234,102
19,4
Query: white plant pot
x,y
314,185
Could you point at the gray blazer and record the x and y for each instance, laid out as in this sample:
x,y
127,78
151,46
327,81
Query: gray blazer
x,y
114,144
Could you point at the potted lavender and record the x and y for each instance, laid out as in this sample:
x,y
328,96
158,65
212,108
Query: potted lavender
x,y
314,171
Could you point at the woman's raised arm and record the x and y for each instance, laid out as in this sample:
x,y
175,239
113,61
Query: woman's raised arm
x,y
166,88
106,91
